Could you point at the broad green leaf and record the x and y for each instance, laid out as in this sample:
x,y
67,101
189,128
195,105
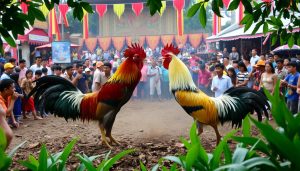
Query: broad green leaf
x,y
246,127
233,5
186,144
265,28
249,23
155,168
248,6
291,41
239,155
283,145
36,13
232,167
274,38
3,141
7,37
5,161
1,47
193,10
256,161
43,159
202,16
29,165
261,146
65,153
174,159
88,164
154,6
192,156
298,41
142,166
215,162
193,135
87,7
117,157
227,154
216,7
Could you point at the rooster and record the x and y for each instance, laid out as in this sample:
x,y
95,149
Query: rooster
x,y
232,106
60,97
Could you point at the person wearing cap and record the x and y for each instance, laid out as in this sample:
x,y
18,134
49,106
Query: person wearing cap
x,y
89,76
256,74
37,65
291,83
96,77
8,70
12,61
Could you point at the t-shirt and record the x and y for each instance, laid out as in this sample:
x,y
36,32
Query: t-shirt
x,y
154,70
241,77
81,84
254,59
293,80
96,79
204,76
165,74
35,68
4,76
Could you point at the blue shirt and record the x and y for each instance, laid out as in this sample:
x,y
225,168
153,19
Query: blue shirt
x,y
165,74
81,84
293,80
222,84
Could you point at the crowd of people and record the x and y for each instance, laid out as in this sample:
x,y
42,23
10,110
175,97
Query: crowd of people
x,y
213,76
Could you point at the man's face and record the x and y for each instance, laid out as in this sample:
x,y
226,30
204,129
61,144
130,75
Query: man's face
x,y
13,63
10,70
235,65
70,71
57,72
233,49
38,61
106,69
271,59
22,65
219,71
44,63
253,52
279,65
225,49
291,69
80,70
10,90
87,63
225,61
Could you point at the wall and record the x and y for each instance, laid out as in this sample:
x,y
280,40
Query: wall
x,y
26,53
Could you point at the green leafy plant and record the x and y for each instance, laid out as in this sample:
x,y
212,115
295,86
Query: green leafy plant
x,y
105,165
6,159
48,161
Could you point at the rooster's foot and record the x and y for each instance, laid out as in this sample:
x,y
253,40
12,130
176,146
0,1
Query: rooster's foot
x,y
113,140
104,142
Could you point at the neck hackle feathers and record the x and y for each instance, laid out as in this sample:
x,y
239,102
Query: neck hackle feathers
x,y
129,72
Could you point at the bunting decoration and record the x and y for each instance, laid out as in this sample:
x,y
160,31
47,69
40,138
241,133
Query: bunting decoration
x,y
85,25
91,44
167,39
152,41
104,43
137,8
181,40
101,9
226,3
129,41
63,8
163,7
118,42
44,10
195,40
179,5
24,7
142,40
119,9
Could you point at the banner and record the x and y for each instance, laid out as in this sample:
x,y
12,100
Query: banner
x,y
181,40
118,42
91,44
152,41
63,8
195,39
167,39
104,43
61,53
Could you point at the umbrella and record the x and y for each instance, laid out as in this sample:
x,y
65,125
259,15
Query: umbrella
x,y
285,50
49,45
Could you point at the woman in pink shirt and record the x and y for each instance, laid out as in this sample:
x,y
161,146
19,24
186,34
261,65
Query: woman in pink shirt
x,y
204,78
143,81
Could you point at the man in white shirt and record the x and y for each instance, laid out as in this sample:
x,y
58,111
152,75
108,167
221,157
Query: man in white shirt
x,y
97,76
254,57
226,63
154,74
220,82
45,65
37,65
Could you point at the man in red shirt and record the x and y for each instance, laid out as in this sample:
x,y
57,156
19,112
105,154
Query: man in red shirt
x,y
7,100
204,79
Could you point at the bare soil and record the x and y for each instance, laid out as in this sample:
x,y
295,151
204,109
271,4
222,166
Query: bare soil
x,y
152,128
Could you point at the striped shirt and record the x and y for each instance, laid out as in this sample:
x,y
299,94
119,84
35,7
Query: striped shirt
x,y
241,77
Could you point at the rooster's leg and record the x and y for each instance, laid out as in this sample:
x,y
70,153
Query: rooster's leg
x,y
103,136
200,128
217,133
113,140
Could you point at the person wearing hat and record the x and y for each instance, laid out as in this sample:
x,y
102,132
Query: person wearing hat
x,y
8,70
89,76
37,65
256,74
96,77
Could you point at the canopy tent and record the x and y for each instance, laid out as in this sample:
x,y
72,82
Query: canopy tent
x,y
49,45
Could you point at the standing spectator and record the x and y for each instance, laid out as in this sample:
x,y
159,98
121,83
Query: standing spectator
x,y
256,74
44,72
262,57
280,71
2,62
7,99
89,76
234,55
46,65
37,65
8,70
164,81
225,53
291,83
154,74
204,79
232,75
97,76
226,63
242,76
28,103
57,70
142,86
23,69
38,74
254,58
235,66
195,72
271,60
220,82
86,63
286,61
17,111
12,61
82,83
268,78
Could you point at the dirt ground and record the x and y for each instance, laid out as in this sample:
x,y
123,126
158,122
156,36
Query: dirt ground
x,y
152,128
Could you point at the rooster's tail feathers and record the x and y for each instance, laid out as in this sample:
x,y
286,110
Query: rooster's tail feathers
x,y
58,96
236,103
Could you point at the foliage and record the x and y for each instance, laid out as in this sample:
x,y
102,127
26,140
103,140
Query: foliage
x,y
258,13
11,16
6,159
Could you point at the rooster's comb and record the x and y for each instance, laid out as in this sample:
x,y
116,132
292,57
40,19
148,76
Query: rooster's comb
x,y
169,48
135,49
